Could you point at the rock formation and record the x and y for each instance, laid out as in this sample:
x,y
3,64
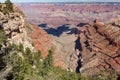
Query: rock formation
x,y
14,26
19,31
41,40
95,48
100,48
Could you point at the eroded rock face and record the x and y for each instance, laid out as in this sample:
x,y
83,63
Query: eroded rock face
x,y
100,48
18,31
14,26
40,38
94,49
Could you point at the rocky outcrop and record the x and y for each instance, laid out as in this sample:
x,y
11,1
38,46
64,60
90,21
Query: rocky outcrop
x,y
14,26
18,31
100,48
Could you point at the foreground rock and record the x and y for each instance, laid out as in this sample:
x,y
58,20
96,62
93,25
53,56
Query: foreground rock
x,y
14,26
18,31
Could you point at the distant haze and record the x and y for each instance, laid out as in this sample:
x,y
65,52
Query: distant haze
x,y
63,0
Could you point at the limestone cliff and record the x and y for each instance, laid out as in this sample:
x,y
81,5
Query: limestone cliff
x,y
100,48
14,26
93,49
19,31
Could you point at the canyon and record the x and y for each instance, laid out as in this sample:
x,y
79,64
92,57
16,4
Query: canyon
x,y
58,14
84,37
81,44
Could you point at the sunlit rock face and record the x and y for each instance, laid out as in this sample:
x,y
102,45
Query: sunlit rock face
x,y
86,48
98,48
14,25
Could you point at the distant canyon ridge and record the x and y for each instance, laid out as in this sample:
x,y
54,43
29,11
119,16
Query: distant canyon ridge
x,y
58,14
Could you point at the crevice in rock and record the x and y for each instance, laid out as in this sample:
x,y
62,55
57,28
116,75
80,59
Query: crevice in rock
x,y
79,65
78,49
110,66
78,44
10,35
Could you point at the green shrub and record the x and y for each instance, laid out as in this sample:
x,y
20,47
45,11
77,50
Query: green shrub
x,y
103,75
43,68
37,57
21,48
21,68
4,11
9,5
2,36
48,63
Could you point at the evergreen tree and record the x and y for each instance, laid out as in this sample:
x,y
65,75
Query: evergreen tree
x,y
37,57
21,49
2,36
47,64
9,5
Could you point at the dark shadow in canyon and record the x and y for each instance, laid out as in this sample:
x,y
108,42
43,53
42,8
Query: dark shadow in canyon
x,y
43,25
64,28
78,66
78,44
73,31
57,32
79,48
82,24
76,30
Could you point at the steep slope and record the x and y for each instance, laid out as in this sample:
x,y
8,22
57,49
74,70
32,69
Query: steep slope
x,y
19,31
41,40
22,38
93,49
14,26
100,48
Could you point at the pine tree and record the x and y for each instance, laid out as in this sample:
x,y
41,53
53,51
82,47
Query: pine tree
x,y
47,64
9,5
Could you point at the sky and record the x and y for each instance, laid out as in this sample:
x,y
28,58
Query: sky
x,y
63,0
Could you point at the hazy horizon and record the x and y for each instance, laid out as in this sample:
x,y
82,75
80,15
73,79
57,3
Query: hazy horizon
x,y
62,1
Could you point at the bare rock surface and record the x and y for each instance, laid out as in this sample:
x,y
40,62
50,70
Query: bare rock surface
x,y
14,26
93,49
